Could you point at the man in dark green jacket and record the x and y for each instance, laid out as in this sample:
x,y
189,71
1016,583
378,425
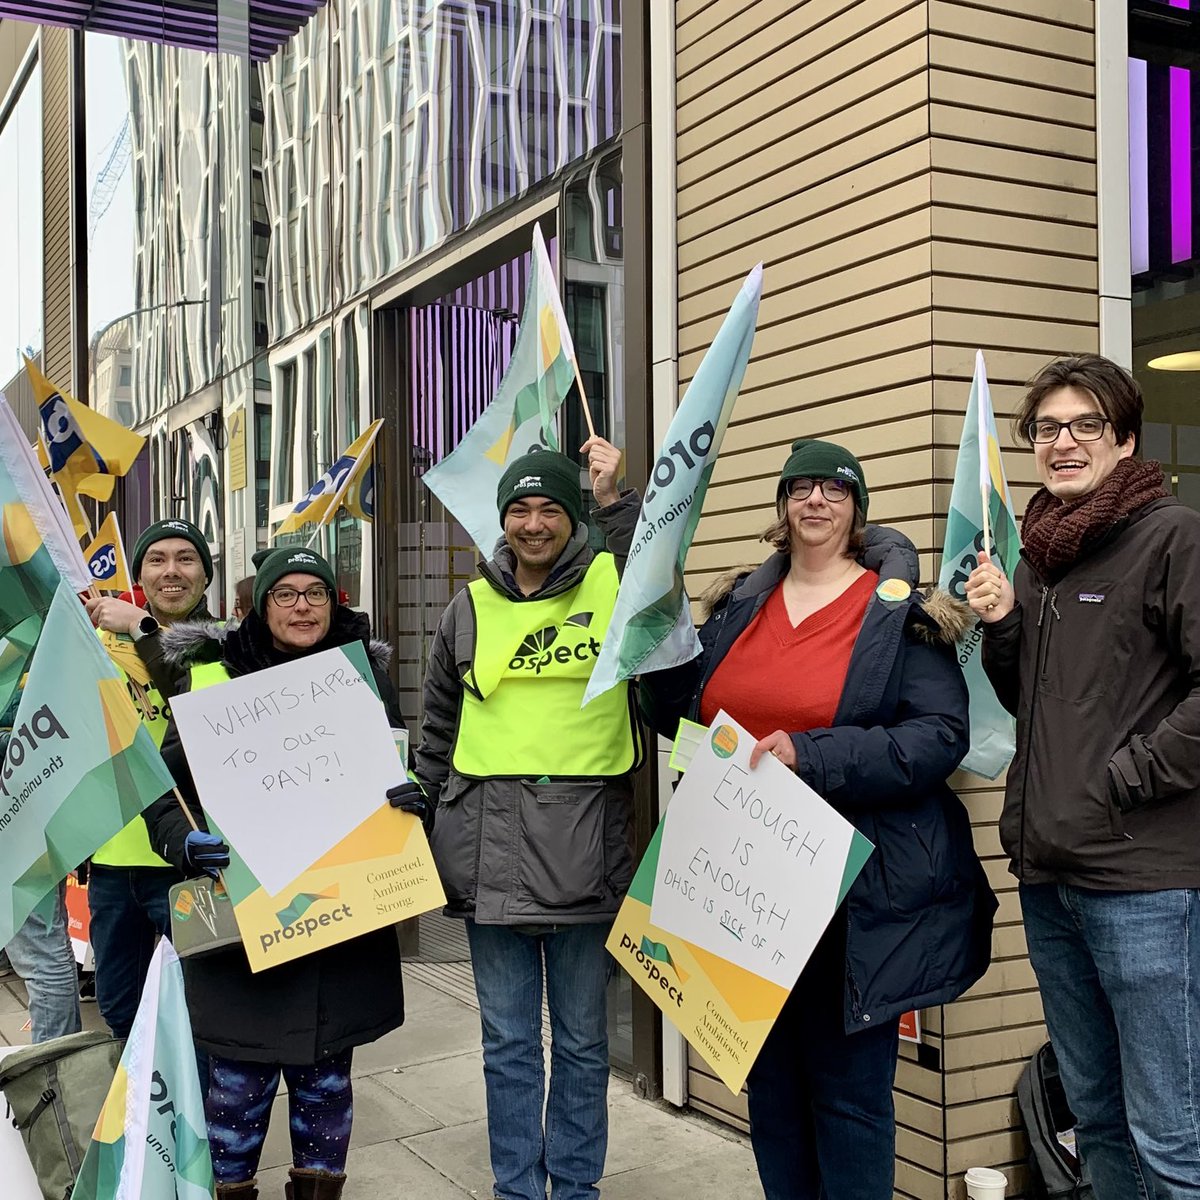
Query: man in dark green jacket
x,y
533,834
1095,648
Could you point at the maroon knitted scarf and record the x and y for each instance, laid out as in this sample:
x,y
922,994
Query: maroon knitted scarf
x,y
1056,534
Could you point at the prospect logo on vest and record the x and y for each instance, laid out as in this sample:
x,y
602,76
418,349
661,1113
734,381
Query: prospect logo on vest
x,y
534,653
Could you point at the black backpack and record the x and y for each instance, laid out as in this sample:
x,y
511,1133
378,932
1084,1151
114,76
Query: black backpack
x,y
1055,1172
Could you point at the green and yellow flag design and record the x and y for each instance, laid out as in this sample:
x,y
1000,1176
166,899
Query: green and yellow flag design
x,y
79,765
150,1141
521,416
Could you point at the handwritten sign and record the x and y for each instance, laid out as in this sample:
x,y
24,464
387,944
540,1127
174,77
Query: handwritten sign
x,y
736,887
289,761
751,862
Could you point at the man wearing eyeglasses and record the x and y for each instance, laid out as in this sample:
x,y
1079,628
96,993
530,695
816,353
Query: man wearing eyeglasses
x,y
1094,646
128,883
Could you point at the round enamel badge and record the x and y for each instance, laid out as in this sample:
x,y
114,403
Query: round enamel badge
x,y
893,589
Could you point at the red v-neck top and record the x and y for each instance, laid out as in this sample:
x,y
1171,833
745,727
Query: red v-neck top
x,y
783,676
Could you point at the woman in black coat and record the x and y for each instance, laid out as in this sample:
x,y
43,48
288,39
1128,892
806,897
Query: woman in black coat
x,y
827,655
302,1018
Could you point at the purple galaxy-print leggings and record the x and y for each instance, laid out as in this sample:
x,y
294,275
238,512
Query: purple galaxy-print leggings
x,y
238,1109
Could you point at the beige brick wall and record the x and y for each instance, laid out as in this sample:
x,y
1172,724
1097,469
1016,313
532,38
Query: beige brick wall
x,y
919,182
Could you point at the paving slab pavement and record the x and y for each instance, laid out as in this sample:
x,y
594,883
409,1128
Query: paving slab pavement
x,y
420,1130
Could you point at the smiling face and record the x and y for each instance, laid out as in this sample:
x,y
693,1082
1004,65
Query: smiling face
x,y
538,530
172,576
304,625
817,523
1070,469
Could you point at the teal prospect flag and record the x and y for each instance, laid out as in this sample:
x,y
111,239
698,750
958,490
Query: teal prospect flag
x,y
520,417
151,1140
651,626
979,478
80,765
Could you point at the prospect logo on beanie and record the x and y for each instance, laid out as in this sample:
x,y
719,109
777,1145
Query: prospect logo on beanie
x,y
273,564
172,527
542,473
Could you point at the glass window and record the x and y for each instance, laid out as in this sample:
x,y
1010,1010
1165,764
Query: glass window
x,y
1164,170
285,420
21,228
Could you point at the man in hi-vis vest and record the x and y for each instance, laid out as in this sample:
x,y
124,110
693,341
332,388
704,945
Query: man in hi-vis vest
x,y
533,833
128,883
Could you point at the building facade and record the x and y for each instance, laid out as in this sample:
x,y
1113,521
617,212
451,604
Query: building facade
x,y
253,250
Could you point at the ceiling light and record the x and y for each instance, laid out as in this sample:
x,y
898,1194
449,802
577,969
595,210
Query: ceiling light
x,y
1187,360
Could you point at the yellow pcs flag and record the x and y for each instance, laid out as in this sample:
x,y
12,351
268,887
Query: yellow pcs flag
x,y
83,450
352,475
106,560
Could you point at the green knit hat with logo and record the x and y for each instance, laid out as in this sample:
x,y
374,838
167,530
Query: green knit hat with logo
x,y
814,459
172,527
542,473
273,564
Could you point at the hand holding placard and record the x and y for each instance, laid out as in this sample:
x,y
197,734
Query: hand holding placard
x,y
751,862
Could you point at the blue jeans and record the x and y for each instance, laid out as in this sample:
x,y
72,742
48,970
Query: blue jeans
x,y
822,1118
40,952
130,909
1119,974
510,968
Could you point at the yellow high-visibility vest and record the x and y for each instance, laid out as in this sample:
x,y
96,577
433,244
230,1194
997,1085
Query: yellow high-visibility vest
x,y
521,693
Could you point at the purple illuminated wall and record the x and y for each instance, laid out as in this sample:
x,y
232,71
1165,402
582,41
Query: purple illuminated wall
x,y
1163,104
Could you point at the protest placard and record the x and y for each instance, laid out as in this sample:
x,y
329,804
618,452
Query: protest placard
x,y
311,745
290,760
739,882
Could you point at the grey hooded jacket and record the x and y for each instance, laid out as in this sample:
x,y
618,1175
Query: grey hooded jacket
x,y
511,852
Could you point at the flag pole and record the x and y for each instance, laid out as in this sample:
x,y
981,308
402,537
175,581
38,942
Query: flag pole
x,y
187,812
985,493
587,412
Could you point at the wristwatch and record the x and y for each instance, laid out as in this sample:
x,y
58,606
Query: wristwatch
x,y
144,628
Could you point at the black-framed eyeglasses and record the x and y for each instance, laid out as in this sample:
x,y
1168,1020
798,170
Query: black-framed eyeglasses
x,y
834,490
1043,431
286,597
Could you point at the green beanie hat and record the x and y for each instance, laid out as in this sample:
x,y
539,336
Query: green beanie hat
x,y
172,527
274,563
542,473
824,460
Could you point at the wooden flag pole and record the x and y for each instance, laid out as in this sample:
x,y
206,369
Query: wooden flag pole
x,y
187,812
587,412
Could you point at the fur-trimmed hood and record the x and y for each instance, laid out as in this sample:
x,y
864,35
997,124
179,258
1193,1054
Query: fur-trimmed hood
x,y
189,643
889,553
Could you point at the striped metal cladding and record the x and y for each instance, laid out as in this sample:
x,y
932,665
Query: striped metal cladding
x,y
258,29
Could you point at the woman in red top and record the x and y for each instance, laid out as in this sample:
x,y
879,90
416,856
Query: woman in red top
x,y
845,674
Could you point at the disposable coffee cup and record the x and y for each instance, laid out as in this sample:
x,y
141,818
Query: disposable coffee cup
x,y
985,1184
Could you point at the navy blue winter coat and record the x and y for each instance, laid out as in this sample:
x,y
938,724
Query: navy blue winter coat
x,y
919,916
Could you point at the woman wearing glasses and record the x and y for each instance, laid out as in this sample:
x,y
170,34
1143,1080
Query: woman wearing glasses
x,y
303,1018
1094,646
848,677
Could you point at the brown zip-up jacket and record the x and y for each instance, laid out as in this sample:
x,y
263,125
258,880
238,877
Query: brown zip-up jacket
x,y
1100,664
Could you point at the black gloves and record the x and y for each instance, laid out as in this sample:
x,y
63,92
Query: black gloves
x,y
409,797
205,853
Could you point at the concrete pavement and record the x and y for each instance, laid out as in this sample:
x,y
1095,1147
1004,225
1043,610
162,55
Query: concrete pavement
x,y
419,1121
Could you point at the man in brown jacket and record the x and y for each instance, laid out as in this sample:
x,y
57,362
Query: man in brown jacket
x,y
1095,648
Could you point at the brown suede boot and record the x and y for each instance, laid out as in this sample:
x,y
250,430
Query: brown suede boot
x,y
313,1185
238,1191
